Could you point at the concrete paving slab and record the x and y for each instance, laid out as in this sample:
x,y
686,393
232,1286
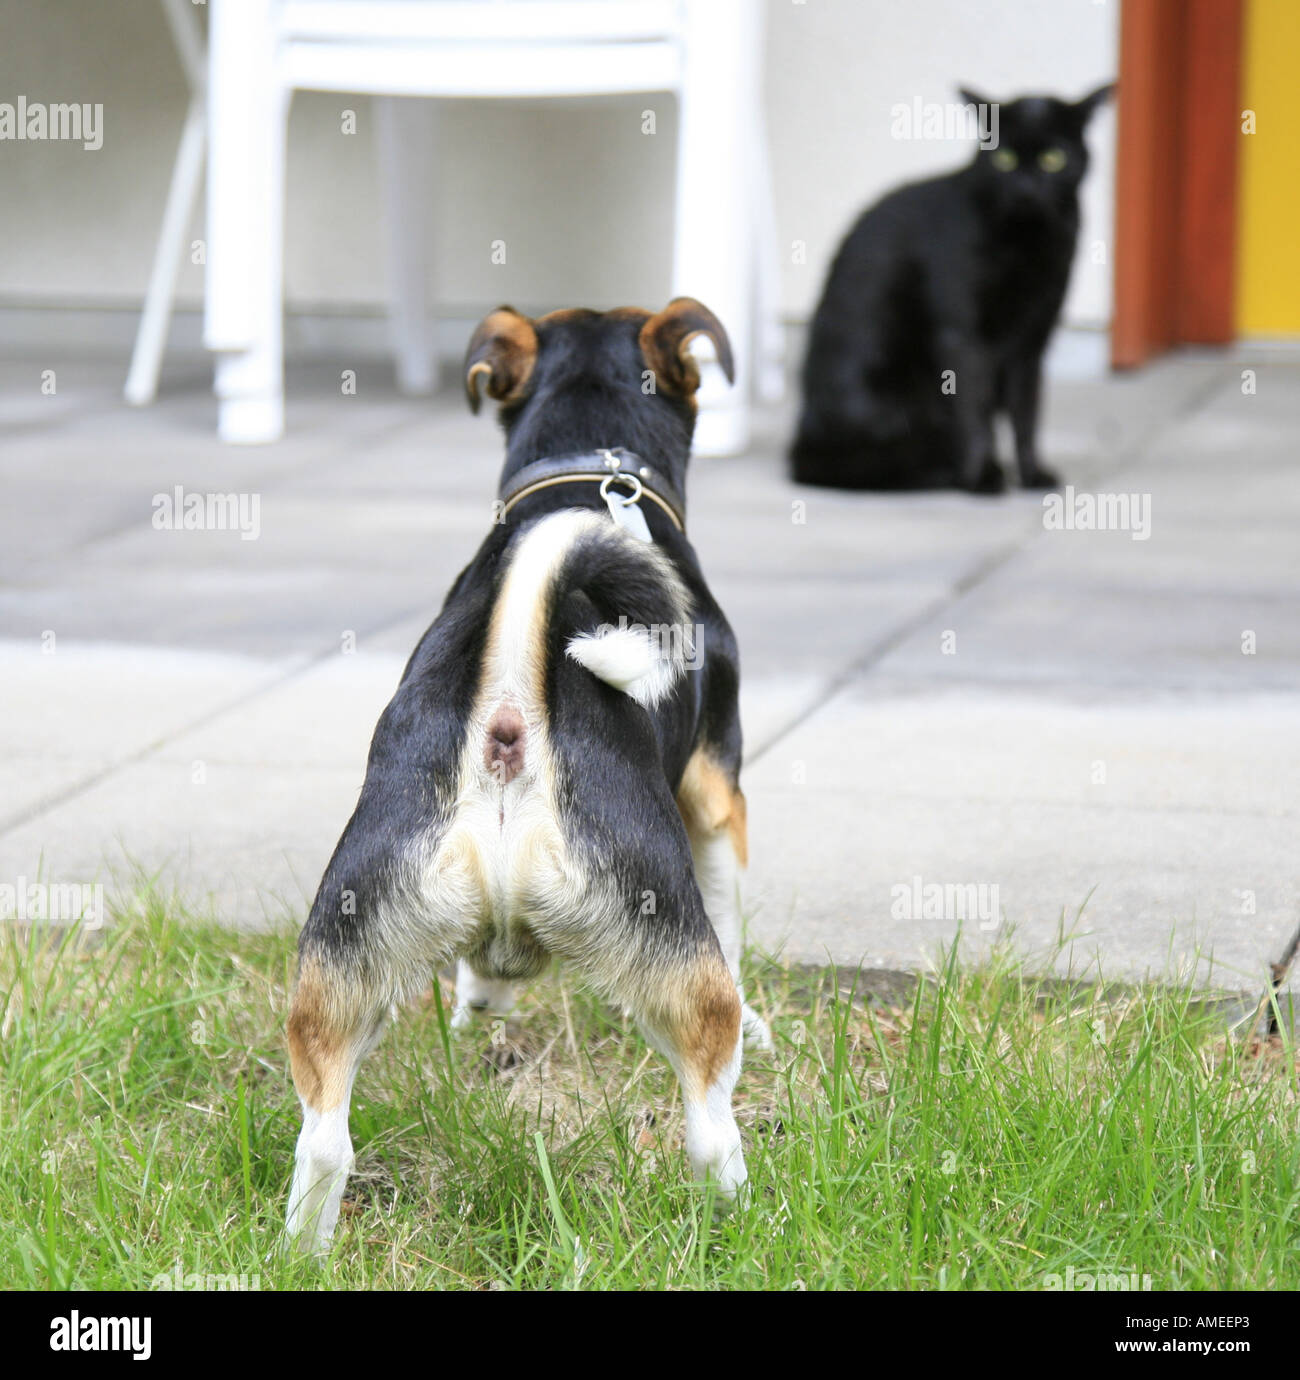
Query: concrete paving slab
x,y
1168,816
76,710
220,739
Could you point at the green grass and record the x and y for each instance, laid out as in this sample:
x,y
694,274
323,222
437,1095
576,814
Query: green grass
x,y
992,1131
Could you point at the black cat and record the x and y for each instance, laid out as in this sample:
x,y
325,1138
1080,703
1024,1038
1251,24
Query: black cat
x,y
937,312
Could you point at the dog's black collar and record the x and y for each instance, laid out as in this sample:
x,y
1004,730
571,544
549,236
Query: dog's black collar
x,y
594,467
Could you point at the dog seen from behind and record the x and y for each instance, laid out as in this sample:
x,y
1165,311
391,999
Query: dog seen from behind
x,y
557,774
937,312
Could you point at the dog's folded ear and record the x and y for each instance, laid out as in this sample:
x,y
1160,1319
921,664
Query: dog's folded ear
x,y
664,339
501,351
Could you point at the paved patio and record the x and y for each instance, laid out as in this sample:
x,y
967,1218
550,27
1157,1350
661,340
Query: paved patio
x,y
936,687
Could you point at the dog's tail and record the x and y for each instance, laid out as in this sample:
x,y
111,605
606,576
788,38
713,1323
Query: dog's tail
x,y
630,624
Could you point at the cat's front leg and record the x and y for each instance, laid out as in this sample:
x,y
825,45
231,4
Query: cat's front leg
x,y
1023,387
972,381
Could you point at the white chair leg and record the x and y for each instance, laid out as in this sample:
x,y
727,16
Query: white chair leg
x,y
151,335
769,347
243,320
713,248
404,140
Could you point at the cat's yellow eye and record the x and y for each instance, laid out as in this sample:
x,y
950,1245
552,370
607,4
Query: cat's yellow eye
x,y
1004,160
1051,160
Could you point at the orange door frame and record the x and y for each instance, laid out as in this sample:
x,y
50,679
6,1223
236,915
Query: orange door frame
x,y
1176,176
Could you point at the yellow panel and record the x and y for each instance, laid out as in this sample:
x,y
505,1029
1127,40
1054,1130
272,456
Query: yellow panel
x,y
1268,207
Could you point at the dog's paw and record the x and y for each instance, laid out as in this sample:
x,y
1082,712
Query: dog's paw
x,y
1040,477
754,1029
731,1182
299,1244
725,1170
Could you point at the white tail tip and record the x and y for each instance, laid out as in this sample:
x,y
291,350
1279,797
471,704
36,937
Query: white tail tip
x,y
632,660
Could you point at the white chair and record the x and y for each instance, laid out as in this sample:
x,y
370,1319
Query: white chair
x,y
706,52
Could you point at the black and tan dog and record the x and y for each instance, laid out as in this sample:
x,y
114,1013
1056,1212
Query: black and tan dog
x,y
557,772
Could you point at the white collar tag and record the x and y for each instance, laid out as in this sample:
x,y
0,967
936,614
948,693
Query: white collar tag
x,y
625,509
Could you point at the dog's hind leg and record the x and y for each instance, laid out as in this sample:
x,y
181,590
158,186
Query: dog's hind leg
x,y
332,1026
713,810
693,1018
665,966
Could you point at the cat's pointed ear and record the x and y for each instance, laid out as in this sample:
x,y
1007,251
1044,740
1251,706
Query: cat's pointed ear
x,y
664,339
973,97
1093,101
500,357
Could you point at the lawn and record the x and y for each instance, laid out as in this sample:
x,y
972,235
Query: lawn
x,y
982,1130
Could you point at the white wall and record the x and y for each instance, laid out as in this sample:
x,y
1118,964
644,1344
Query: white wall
x,y
836,67
581,196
